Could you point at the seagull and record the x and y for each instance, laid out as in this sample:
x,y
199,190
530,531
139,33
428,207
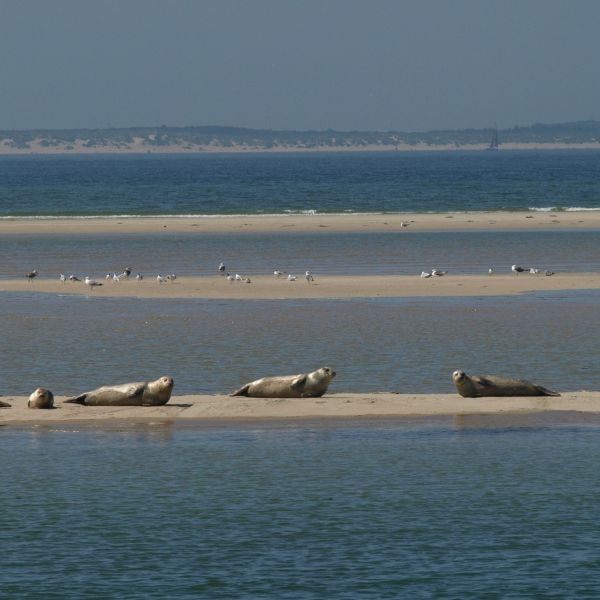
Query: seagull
x,y
534,271
308,276
277,273
238,277
222,268
291,277
139,277
126,272
172,277
116,278
108,276
403,224
515,269
490,271
31,275
62,277
92,283
438,273
161,279
74,278
425,275
230,278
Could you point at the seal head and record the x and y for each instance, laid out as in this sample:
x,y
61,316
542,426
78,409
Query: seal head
x,y
41,398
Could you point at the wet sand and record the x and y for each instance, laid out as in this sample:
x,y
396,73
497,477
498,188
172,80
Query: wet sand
x,y
269,288
344,405
474,221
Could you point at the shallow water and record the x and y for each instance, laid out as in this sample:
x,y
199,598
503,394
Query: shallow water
x,y
403,253
414,509
71,343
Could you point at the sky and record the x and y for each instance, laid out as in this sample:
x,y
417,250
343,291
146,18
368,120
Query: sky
x,y
407,65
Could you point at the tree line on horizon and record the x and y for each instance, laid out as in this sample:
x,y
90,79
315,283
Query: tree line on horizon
x,y
224,136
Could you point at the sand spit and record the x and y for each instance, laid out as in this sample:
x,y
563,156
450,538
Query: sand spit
x,y
342,405
266,287
307,223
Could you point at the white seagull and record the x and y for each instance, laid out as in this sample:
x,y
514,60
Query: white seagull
x,y
516,269
161,279
222,268
277,273
238,277
490,271
230,278
309,276
291,277
425,275
62,277
139,277
92,283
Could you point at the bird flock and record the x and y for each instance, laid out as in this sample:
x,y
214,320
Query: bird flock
x,y
237,278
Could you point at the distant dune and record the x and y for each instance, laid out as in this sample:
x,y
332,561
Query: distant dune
x,y
142,140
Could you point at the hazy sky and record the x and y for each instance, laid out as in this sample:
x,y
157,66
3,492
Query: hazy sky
x,y
303,64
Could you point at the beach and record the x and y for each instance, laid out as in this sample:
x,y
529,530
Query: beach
x,y
188,408
324,223
264,287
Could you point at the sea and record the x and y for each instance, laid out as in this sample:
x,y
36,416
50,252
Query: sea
x,y
497,506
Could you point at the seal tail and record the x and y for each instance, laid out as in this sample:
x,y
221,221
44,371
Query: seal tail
x,y
546,392
76,400
243,391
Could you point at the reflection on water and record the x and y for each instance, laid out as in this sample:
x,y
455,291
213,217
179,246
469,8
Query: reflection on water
x,y
72,344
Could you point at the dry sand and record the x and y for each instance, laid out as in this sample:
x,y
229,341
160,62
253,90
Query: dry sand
x,y
206,408
476,221
269,288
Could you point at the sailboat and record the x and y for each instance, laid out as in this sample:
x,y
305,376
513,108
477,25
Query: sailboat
x,y
494,145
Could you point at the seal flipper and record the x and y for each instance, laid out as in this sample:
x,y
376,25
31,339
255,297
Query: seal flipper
x,y
76,400
243,391
299,382
545,391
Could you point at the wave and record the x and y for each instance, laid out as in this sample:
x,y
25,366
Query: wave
x,y
289,213
563,208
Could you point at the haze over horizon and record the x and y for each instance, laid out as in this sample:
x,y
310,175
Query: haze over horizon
x,y
339,64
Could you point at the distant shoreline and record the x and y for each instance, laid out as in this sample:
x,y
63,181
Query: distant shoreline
x,y
139,148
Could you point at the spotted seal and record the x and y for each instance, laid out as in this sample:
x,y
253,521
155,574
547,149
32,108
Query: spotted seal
x,y
475,386
145,393
304,385
41,398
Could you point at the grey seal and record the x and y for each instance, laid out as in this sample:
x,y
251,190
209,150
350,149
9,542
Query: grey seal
x,y
475,386
41,398
144,393
4,404
303,385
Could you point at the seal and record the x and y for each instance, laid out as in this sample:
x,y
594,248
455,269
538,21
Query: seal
x,y
4,404
41,398
304,385
144,393
475,386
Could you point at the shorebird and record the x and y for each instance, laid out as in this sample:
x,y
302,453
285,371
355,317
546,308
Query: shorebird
x,y
277,273
92,283
230,278
308,276
533,271
238,277
116,278
139,277
108,276
31,275
74,278
425,275
171,277
291,277
62,277
516,270
161,279
438,273
222,268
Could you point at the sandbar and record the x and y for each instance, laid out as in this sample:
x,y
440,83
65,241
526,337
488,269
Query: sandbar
x,y
266,287
338,405
307,223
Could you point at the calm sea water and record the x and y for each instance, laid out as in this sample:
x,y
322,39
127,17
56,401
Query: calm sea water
x,y
71,344
442,509
402,253
328,183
